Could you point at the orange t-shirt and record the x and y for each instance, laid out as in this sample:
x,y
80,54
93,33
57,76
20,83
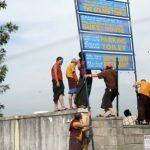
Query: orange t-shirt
x,y
144,88
70,70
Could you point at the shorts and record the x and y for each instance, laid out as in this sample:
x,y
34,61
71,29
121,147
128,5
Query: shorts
x,y
57,91
108,98
72,91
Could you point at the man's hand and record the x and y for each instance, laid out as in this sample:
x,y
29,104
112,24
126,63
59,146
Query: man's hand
x,y
58,84
88,75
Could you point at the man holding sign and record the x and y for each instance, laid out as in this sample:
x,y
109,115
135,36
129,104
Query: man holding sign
x,y
110,78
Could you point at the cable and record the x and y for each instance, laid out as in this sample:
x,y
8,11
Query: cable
x,y
39,48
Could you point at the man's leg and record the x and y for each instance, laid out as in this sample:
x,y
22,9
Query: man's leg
x,y
102,113
61,100
104,103
86,139
112,112
74,96
56,106
70,101
112,96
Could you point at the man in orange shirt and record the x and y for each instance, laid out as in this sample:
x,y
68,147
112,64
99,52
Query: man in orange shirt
x,y
143,90
72,80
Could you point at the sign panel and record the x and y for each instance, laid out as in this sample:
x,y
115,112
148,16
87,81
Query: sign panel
x,y
103,7
101,42
146,142
98,61
104,24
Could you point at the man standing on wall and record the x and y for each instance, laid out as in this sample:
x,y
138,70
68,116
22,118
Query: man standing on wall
x,y
84,85
143,88
110,78
72,80
58,86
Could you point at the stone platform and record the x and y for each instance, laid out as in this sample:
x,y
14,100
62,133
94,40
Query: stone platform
x,y
50,131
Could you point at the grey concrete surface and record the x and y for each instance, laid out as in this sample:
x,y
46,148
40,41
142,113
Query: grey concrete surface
x,y
50,131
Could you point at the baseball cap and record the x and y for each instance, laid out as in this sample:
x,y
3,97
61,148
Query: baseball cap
x,y
109,65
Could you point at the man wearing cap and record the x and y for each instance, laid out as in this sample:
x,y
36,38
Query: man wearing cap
x,y
72,80
110,78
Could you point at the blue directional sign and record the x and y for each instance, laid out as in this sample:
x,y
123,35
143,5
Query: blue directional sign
x,y
105,7
104,24
105,31
98,61
107,43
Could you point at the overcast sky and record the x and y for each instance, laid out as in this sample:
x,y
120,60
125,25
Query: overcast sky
x,y
47,29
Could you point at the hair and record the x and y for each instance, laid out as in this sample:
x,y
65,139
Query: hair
x,y
77,116
82,55
73,60
107,67
59,58
127,113
143,80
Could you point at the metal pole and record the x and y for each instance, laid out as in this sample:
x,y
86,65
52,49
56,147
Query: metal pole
x,y
117,98
135,71
87,96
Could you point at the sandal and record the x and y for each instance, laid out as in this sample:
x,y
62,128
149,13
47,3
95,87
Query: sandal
x,y
71,108
144,123
64,109
110,115
99,115
57,110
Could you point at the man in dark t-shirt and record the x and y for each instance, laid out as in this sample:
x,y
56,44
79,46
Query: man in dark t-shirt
x,y
110,78
84,84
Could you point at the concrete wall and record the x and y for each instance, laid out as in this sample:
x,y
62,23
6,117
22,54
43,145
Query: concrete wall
x,y
49,131
36,132
110,134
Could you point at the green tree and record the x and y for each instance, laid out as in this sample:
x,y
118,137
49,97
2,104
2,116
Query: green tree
x,y
5,31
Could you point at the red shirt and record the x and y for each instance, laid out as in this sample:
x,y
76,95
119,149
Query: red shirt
x,y
82,69
59,72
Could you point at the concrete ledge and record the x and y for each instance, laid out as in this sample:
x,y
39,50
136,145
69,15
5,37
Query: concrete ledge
x,y
50,130
59,113
137,126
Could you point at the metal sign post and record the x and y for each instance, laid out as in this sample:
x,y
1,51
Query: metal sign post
x,y
117,98
87,96
135,71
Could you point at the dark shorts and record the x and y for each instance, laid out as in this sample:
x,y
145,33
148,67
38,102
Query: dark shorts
x,y
57,91
108,98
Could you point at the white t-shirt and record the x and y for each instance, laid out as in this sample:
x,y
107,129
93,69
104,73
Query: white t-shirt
x,y
130,120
